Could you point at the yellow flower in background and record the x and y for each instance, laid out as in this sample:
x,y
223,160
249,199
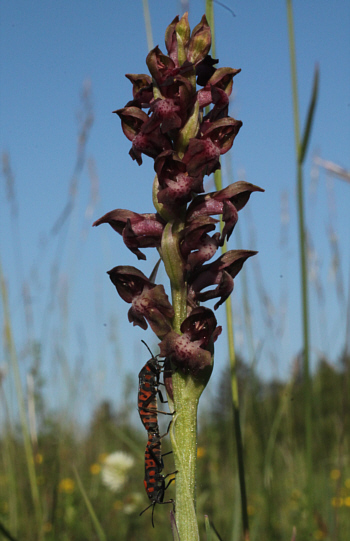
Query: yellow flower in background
x,y
40,480
335,474
115,469
347,501
3,480
66,485
296,494
201,452
95,469
347,483
319,534
250,510
337,502
39,458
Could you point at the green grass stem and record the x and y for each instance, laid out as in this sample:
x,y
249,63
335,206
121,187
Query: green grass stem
x,y
21,404
230,338
148,26
97,525
301,144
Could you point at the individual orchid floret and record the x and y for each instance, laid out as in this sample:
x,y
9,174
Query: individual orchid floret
x,y
164,115
227,202
191,351
176,187
216,138
142,90
221,80
151,143
149,301
220,273
197,246
171,82
137,230
160,66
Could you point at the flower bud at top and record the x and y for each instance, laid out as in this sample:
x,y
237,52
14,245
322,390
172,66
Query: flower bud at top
x,y
200,42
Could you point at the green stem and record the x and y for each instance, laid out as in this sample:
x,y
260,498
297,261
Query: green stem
x,y
186,393
302,248
184,444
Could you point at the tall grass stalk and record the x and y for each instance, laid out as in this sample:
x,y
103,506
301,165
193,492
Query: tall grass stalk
x,y
301,144
97,525
21,404
230,337
148,25
8,457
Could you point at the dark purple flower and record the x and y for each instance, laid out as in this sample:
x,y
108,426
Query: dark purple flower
x,y
220,273
142,90
226,202
149,301
160,65
164,115
222,81
216,138
150,143
191,351
137,230
176,187
197,246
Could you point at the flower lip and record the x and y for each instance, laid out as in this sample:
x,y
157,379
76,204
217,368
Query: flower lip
x,y
149,302
137,230
190,351
227,202
219,273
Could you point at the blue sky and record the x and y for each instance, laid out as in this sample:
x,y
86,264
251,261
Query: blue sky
x,y
49,52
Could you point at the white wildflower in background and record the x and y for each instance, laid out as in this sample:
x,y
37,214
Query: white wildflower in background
x,y
115,469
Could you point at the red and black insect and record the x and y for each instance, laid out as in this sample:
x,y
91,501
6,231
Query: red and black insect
x,y
149,377
154,481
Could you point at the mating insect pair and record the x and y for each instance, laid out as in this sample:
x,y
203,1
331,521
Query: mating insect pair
x,y
155,481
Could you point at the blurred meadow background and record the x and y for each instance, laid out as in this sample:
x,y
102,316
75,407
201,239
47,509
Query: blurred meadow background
x,y
72,446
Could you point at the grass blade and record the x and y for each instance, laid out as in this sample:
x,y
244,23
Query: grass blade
x,y
98,528
148,25
21,403
309,119
302,247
